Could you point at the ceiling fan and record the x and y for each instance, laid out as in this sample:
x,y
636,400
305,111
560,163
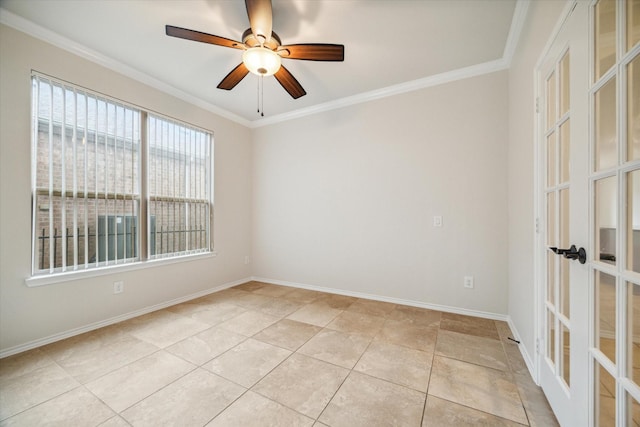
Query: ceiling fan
x,y
263,49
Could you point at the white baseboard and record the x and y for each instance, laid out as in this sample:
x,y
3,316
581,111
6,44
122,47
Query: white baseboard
x,y
448,309
456,310
93,326
531,366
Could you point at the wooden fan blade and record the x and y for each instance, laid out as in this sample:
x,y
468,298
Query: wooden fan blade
x,y
197,36
313,52
234,77
289,83
260,18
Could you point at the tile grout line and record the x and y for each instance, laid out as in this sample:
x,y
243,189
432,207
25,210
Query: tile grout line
x,y
195,367
512,373
228,406
116,413
461,404
372,339
84,385
159,349
433,356
264,376
247,389
296,352
466,406
201,366
344,380
52,362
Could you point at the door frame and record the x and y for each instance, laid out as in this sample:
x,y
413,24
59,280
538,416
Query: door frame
x,y
578,396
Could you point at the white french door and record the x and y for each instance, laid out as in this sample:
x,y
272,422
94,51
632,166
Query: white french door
x,y
614,178
564,153
589,168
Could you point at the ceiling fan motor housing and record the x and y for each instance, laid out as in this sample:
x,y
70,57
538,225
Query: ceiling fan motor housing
x,y
252,41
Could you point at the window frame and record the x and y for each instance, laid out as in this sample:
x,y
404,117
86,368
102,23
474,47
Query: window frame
x,y
143,259
152,198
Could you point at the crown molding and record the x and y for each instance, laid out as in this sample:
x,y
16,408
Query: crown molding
x,y
519,18
19,23
435,80
517,25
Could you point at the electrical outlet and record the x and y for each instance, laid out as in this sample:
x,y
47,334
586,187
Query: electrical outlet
x,y
118,287
468,282
437,221
247,260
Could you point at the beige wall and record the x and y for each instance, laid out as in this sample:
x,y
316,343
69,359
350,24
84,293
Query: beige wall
x,y
541,19
30,314
345,199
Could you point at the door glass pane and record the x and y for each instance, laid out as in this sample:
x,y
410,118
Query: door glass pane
x,y
633,23
564,244
633,221
551,160
605,306
551,219
551,277
566,353
605,36
564,286
551,241
633,107
565,151
605,126
551,337
633,332
564,84
605,397
633,411
606,219
551,100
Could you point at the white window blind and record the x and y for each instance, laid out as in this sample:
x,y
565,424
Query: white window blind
x,y
179,188
97,184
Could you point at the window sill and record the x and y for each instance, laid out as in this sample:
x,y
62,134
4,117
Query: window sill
x,y
67,276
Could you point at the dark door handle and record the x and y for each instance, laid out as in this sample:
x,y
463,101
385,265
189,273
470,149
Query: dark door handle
x,y
571,253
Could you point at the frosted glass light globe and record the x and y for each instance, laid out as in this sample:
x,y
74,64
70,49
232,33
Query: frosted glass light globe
x,y
261,61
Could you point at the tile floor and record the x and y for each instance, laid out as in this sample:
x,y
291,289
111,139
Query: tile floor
x,y
266,355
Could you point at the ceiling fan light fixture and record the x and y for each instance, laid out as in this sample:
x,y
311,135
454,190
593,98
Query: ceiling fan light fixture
x,y
263,50
261,61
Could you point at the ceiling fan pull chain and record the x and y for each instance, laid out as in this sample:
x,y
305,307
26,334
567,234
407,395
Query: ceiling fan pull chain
x,y
261,96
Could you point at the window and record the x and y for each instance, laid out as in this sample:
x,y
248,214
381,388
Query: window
x,y
113,184
178,192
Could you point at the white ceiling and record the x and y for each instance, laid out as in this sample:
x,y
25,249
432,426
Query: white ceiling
x,y
387,43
